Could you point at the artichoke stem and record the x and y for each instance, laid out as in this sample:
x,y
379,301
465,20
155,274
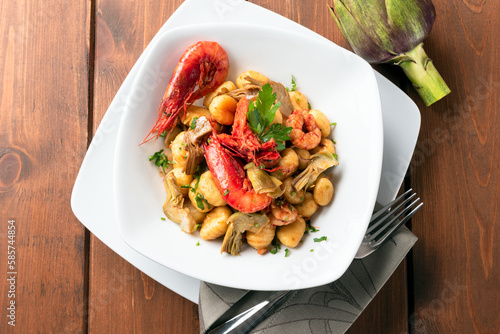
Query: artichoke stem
x,y
419,68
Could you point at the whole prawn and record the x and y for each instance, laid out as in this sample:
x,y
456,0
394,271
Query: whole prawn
x,y
230,179
303,140
203,65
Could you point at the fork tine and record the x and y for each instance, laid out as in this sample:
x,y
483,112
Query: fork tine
x,y
399,223
389,213
388,206
388,222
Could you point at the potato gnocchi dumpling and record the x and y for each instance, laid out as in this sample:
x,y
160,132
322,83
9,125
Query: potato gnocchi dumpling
x,y
290,194
209,190
197,199
223,108
287,165
298,100
290,235
263,238
179,151
323,191
308,207
322,121
215,223
304,157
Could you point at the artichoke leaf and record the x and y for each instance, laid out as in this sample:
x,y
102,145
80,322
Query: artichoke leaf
x,y
262,182
238,223
174,205
193,139
320,162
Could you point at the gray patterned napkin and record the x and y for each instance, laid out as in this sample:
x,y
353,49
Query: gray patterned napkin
x,y
330,308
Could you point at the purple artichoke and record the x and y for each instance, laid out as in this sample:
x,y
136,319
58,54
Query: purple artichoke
x,y
392,31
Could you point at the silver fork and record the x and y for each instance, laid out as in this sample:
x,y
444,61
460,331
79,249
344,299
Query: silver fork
x,y
257,305
386,221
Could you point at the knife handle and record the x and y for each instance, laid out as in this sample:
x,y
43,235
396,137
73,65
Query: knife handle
x,y
248,319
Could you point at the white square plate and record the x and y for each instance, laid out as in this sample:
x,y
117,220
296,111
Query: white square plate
x,y
335,81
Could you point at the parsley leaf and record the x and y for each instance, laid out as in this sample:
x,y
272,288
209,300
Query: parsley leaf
x,y
323,238
279,133
193,123
287,252
200,200
276,246
310,228
294,86
261,114
161,160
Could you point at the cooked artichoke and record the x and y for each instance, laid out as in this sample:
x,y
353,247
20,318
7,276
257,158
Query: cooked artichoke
x,y
174,205
237,224
320,162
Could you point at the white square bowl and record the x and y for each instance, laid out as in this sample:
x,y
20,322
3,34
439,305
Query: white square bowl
x,y
334,80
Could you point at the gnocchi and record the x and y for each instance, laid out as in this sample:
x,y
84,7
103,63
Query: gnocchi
x,y
322,121
323,191
287,165
209,190
179,151
197,199
298,100
263,238
223,108
308,207
215,223
290,235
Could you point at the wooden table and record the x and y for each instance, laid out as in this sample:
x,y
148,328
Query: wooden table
x,y
61,63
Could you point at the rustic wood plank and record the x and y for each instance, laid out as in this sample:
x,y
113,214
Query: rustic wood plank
x,y
43,136
117,288
456,170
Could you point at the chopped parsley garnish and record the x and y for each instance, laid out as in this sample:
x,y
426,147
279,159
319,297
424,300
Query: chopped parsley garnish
x,y
164,134
287,252
198,243
294,86
310,228
162,218
226,192
185,186
197,226
200,200
292,194
333,124
276,246
323,238
197,177
335,156
161,160
193,123
312,250
261,114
